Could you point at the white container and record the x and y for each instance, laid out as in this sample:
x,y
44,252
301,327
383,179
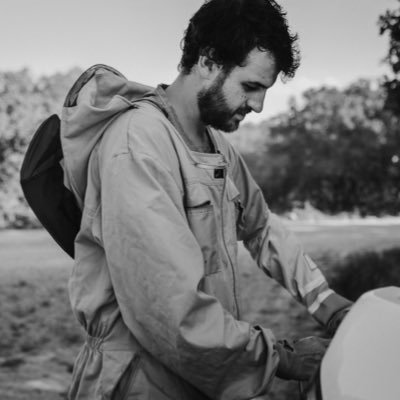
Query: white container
x,y
363,359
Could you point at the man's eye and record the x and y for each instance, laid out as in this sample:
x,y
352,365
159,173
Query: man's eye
x,y
249,88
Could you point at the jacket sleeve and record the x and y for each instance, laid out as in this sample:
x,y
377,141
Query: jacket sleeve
x,y
155,265
277,251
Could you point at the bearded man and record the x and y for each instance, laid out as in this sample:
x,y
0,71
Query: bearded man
x,y
165,200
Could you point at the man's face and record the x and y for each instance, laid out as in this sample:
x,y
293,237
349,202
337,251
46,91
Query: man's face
x,y
224,103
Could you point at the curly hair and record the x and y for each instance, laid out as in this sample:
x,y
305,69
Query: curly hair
x,y
227,30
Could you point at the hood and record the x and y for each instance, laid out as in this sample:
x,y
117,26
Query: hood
x,y
99,95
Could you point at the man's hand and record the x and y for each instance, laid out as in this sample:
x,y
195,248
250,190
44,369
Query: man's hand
x,y
300,360
336,320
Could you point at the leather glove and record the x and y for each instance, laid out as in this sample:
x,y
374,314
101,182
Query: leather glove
x,y
336,320
300,360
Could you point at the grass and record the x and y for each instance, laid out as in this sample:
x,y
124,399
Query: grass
x,y
34,303
37,323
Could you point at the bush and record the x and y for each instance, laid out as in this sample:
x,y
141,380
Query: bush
x,y
25,103
339,150
361,272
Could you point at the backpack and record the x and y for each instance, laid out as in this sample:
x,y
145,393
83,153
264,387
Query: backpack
x,y
42,182
42,176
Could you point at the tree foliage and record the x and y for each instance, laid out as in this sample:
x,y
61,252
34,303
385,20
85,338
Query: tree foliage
x,y
24,103
389,23
339,151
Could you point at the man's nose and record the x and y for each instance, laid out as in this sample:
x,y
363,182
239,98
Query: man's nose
x,y
256,102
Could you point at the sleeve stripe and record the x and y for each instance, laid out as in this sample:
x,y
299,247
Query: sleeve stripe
x,y
319,300
312,285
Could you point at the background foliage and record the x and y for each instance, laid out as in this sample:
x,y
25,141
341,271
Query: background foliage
x,y
338,151
389,23
24,103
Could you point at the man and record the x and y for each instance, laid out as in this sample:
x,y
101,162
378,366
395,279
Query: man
x,y
165,199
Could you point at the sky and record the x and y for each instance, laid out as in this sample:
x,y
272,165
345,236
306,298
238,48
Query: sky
x,y
339,40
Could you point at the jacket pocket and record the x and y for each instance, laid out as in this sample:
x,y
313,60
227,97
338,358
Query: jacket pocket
x,y
201,218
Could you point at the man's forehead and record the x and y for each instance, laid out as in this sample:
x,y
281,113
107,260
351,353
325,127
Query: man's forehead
x,y
259,67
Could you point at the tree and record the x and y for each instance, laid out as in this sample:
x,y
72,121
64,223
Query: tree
x,y
339,151
24,103
390,23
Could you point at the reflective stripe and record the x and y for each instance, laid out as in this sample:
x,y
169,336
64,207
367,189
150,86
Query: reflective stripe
x,y
319,300
312,285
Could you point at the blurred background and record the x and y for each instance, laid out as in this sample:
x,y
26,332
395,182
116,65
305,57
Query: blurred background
x,y
325,151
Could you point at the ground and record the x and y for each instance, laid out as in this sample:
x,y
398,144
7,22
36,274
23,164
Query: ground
x,y
39,337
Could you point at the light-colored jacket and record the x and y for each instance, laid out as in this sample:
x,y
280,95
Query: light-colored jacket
x,y
155,278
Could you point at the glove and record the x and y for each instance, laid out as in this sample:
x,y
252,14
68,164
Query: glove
x,y
301,360
336,320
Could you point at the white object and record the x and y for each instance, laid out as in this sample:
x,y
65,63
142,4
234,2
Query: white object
x,y
363,360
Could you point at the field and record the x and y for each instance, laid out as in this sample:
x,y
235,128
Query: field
x,y
39,337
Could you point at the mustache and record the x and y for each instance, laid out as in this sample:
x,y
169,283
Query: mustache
x,y
243,111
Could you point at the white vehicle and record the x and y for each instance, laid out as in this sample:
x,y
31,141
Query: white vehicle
x,y
363,359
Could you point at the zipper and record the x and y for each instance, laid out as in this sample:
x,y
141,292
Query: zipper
x,y
225,245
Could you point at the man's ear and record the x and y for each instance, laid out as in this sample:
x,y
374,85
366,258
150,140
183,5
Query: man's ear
x,y
207,67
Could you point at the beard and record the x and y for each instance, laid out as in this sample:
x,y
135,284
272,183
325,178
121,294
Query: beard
x,y
214,109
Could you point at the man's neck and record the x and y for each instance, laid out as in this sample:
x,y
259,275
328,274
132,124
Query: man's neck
x,y
182,95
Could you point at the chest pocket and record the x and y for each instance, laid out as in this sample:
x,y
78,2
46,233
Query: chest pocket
x,y
202,218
